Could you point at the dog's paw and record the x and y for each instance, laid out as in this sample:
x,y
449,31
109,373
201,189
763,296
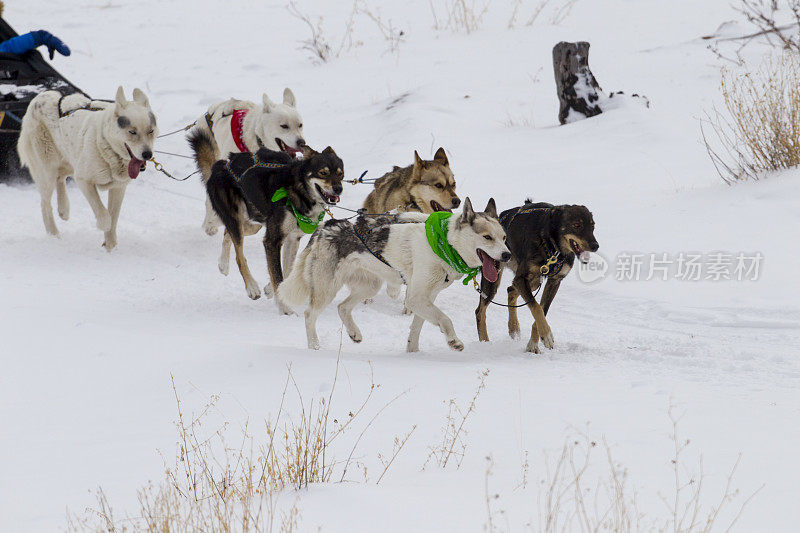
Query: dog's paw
x,y
210,229
456,345
411,348
63,212
253,291
407,311
285,310
368,301
268,292
513,333
224,267
533,346
313,344
393,291
104,221
356,336
548,340
109,244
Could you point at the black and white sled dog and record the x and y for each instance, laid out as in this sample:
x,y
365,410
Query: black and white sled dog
x,y
393,249
270,189
544,240
102,145
242,126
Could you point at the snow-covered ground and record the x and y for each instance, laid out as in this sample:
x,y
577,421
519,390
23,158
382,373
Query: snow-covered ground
x,y
89,340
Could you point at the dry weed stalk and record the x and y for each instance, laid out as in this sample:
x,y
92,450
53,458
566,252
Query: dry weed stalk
x,y
566,503
213,486
759,131
454,444
459,15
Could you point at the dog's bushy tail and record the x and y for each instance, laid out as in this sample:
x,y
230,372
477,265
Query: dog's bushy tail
x,y
224,193
295,289
205,149
35,140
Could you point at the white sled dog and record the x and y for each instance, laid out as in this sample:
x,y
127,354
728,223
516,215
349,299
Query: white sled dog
x,y
241,126
100,144
395,249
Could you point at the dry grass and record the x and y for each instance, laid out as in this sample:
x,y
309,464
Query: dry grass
x,y
212,485
458,15
570,501
759,129
454,445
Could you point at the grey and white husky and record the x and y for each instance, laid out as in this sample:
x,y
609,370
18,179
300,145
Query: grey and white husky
x,y
393,249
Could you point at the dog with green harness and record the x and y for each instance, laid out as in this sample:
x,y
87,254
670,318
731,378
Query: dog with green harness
x,y
425,252
286,196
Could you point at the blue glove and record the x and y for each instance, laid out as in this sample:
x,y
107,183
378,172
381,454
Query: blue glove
x,y
22,43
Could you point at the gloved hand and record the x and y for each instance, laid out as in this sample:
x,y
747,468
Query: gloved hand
x,y
52,43
22,43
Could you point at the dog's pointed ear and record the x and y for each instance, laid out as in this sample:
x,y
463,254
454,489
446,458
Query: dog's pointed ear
x,y
288,97
441,157
120,100
268,105
307,151
467,214
328,150
491,208
140,98
418,162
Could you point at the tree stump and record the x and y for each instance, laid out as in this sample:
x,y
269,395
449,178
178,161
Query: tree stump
x,y
576,86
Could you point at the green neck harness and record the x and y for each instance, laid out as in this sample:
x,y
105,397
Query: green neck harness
x,y
305,224
436,230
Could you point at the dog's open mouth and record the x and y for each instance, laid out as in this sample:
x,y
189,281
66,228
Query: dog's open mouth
x,y
331,199
582,254
286,148
436,206
490,268
135,165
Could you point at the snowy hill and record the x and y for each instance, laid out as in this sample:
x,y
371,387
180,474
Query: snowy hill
x,y
89,340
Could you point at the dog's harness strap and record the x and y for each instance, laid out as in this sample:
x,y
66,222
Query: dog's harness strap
x,y
87,107
361,233
237,128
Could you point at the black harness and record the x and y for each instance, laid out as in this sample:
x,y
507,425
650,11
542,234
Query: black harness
x,y
361,230
87,107
256,163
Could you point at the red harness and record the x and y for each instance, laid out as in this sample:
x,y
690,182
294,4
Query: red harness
x,y
237,121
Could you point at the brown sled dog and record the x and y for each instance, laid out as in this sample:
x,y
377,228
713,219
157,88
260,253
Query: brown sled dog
x,y
425,186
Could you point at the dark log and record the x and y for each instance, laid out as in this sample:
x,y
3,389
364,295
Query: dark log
x,y
576,86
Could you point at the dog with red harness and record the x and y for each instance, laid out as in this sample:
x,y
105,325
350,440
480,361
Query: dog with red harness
x,y
239,126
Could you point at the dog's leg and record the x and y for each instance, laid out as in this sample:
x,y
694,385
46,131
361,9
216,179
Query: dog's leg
x,y
317,302
211,222
540,328
549,292
488,291
272,247
290,247
46,187
62,198
250,284
513,321
359,291
99,210
224,263
420,300
115,197
413,335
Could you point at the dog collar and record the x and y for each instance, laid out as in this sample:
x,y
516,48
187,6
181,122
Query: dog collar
x,y
306,224
237,128
436,231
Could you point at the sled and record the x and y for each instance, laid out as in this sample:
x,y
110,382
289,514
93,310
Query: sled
x,y
21,78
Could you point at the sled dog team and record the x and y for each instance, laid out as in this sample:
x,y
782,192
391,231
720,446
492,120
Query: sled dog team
x,y
247,153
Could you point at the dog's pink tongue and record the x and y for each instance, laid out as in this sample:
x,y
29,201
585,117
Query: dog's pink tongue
x,y
488,269
134,167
